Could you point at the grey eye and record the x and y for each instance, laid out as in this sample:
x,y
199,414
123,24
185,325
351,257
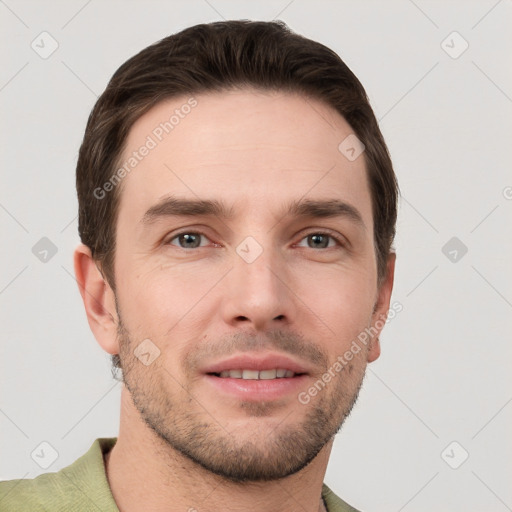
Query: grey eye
x,y
319,241
187,240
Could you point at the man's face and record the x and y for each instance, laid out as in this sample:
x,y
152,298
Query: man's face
x,y
263,290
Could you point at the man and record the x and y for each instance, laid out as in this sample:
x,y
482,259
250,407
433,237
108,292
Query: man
x,y
237,208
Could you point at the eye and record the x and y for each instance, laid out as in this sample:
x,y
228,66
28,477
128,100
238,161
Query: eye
x,y
320,241
188,240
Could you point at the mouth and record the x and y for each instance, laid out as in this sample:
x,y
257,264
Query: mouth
x,y
257,366
257,377
247,374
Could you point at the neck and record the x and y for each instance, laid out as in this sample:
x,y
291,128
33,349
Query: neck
x,y
145,473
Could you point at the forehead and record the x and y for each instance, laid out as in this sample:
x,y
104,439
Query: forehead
x,y
246,147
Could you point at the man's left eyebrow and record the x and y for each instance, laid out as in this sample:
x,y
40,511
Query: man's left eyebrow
x,y
326,208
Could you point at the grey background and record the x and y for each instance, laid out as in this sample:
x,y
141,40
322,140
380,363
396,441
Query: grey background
x,y
444,373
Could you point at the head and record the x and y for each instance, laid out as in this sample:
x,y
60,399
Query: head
x,y
225,213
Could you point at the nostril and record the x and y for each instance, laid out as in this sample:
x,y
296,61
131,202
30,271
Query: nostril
x,y
280,317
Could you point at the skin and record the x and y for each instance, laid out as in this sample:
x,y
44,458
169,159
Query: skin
x,y
181,441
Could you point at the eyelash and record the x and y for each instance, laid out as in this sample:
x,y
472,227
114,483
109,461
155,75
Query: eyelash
x,y
339,242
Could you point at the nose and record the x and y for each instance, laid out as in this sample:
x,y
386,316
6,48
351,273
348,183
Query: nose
x,y
257,296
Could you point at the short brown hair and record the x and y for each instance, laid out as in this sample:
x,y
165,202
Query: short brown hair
x,y
217,57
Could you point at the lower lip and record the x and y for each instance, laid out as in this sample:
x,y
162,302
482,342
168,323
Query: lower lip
x,y
256,389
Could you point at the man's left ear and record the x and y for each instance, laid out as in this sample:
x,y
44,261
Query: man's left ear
x,y
380,311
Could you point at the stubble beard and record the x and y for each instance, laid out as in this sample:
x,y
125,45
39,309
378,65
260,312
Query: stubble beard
x,y
267,452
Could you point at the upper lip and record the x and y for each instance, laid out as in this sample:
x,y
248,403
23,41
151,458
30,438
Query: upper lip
x,y
256,361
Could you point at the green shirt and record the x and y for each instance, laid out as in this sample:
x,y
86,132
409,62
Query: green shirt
x,y
83,486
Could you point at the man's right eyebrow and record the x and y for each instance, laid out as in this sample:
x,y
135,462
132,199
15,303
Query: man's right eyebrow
x,y
171,206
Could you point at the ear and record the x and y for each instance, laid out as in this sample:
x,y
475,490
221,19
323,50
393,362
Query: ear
x,y
381,308
98,298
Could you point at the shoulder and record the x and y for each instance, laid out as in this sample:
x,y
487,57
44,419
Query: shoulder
x,y
334,503
41,493
79,486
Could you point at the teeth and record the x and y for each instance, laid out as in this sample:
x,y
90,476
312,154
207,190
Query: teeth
x,y
277,373
268,374
250,374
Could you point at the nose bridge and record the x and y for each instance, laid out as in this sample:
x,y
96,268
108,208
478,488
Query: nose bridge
x,y
257,292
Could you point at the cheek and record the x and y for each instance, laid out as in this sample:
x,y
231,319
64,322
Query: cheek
x,y
160,300
343,302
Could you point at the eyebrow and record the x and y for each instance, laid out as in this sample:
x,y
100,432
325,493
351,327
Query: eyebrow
x,y
326,208
171,206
